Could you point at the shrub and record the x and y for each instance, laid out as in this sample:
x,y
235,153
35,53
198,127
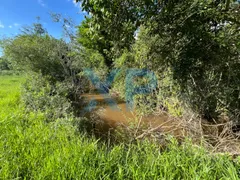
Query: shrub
x,y
40,95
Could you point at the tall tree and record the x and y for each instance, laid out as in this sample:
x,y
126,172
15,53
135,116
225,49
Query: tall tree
x,y
95,40
117,21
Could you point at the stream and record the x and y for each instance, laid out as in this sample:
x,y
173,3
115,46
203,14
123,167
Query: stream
x,y
111,118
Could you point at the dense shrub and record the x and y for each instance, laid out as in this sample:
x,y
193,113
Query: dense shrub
x,y
4,64
43,54
40,95
201,48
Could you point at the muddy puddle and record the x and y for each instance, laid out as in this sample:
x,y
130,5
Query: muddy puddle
x,y
111,118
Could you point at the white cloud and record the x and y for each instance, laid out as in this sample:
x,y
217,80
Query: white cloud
x,y
1,25
10,27
16,24
41,3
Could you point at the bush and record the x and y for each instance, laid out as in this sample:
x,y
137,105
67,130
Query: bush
x,y
39,95
4,64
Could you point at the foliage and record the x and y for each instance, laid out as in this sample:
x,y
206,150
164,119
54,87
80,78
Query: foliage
x,y
4,64
94,60
202,71
43,54
36,29
202,49
143,55
39,95
197,41
94,41
115,21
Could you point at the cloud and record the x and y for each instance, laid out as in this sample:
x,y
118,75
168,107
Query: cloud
x,y
11,25
16,24
41,3
1,25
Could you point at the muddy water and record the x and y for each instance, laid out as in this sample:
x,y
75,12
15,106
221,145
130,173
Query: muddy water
x,y
111,118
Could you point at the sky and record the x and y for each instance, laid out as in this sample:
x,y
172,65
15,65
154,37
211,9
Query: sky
x,y
15,14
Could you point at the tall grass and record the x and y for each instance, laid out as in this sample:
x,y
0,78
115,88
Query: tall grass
x,y
30,148
9,94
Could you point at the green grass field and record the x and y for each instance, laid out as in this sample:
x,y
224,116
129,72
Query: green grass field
x,y
9,94
30,148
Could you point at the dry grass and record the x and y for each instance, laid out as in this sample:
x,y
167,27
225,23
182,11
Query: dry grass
x,y
217,138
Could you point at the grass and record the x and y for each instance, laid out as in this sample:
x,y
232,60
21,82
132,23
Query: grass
x,y
30,148
9,94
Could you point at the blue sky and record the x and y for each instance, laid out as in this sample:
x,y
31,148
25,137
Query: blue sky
x,y
14,14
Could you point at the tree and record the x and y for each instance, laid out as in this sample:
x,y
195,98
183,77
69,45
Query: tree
x,y
36,28
95,41
117,21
